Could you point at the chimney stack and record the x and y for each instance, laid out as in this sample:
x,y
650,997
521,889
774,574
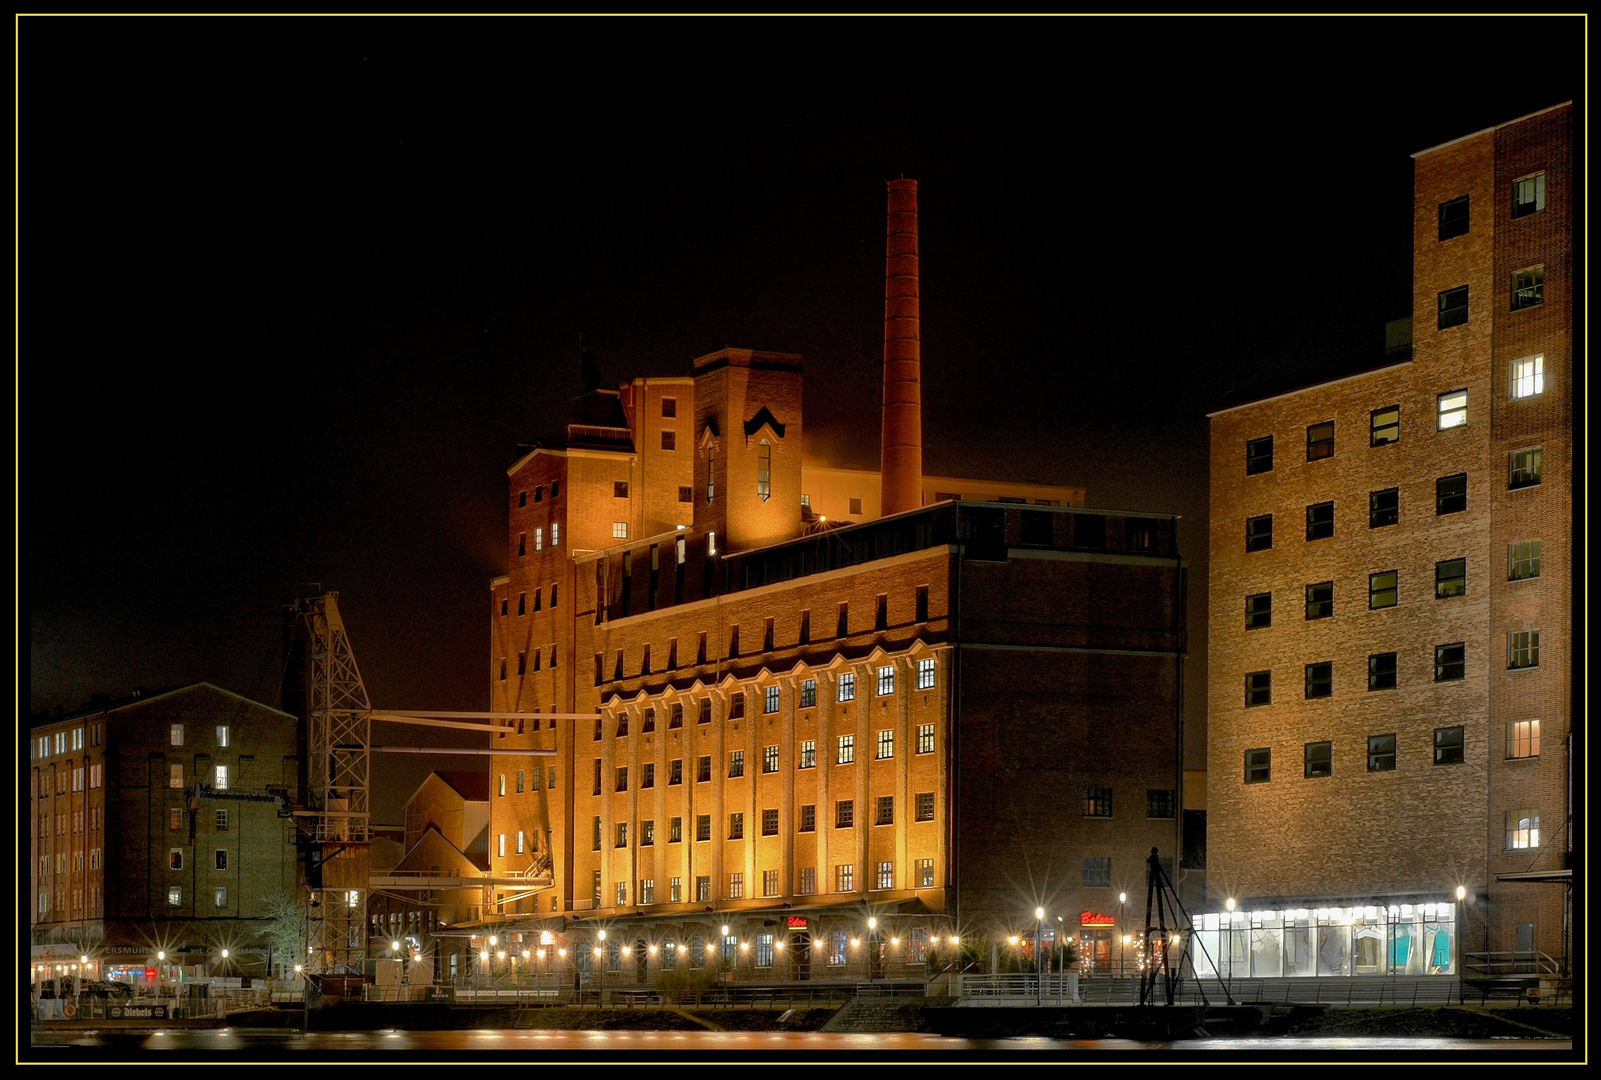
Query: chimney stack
x,y
901,453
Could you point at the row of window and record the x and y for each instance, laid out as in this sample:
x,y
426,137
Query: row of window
x,y
805,885
539,493
844,818
65,742
1159,802
1528,197
522,600
1528,291
219,776
64,866
60,820
1450,665
1527,379
522,662
219,859
219,896
1523,741
539,538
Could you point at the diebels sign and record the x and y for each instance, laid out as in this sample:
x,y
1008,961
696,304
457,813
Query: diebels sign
x,y
1095,918
137,1012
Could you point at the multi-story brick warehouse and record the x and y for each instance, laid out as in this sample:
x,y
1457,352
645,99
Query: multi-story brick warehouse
x,y
156,824
1391,608
939,719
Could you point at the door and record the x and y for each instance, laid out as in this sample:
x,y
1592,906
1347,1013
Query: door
x,y
802,952
1525,954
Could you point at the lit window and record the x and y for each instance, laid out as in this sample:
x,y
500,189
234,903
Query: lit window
x,y
847,750
844,881
1454,218
612,948
555,541
1259,455
1319,759
1453,409
1259,533
1448,748
174,896
1382,671
1450,662
1098,802
1528,288
177,736
736,763
1528,195
1528,376
1451,494
1258,765
1385,425
1523,649
925,674
886,875
174,817
619,530
1384,507
711,478
647,890
1522,829
1523,468
500,847
1383,590
1381,753
520,841
222,821
1453,307
539,539
925,738
175,859
886,681
221,778
764,471
808,756
1320,679
1320,521
1320,440
222,735
501,790
1523,560
886,744
622,835
1258,611
770,759
1258,688
1320,600
771,704
1523,739
647,833
808,693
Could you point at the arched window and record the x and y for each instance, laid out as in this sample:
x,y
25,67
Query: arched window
x,y
764,471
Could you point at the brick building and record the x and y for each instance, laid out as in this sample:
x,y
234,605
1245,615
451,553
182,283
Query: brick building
x,y
1391,609
161,821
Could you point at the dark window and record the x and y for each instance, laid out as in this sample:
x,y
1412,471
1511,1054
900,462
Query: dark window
x,y
647,775
924,803
1451,494
1523,560
1319,759
1385,425
808,693
703,827
675,718
808,817
1528,195
1320,521
1384,507
1522,649
1383,590
844,814
736,705
1320,440
1097,802
669,407
1160,803
1381,753
856,505
522,498
1528,288
1258,611
703,769
1258,765
686,493
1259,533
1097,872
675,771
736,826
669,440
1453,307
886,810
1448,746
1259,688
1454,218
1320,600
769,822
1320,679
1450,662
1089,531
1450,578
1035,528
1523,468
705,714
539,493
1259,455
1381,671
619,488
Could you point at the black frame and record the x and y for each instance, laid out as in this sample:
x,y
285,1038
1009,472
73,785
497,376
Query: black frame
x,y
1450,662
1258,611
1320,680
1451,494
1259,455
1320,521
1383,671
1258,688
1384,508
1381,753
1450,578
1448,746
1318,759
1382,434
1320,607
1453,310
1320,442
1454,217
1259,533
1259,765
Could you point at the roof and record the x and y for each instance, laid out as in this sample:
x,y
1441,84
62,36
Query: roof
x,y
472,786
1267,390
1493,127
141,697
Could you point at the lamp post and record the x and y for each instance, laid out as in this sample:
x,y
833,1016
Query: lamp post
x,y
1039,959
872,946
600,966
1061,958
1122,898
1461,894
722,954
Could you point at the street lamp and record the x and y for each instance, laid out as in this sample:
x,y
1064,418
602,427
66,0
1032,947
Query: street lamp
x,y
872,946
1039,959
1122,898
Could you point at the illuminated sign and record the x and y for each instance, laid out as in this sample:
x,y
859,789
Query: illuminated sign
x,y
1095,918
797,922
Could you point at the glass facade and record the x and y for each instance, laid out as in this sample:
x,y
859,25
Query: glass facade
x,y
1393,939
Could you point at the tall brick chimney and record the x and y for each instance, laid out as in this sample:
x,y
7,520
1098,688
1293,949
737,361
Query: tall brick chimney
x,y
901,453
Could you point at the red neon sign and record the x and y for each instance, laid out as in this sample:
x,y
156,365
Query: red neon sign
x,y
1095,918
797,922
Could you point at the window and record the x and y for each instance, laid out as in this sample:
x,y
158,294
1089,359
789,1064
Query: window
x,y
808,693
703,769
175,859
669,407
1523,560
925,738
807,884
1259,533
1453,409
736,826
222,821
770,822
1453,307
703,827
1320,600
808,755
1450,578
619,530
619,489
1259,455
703,893
174,817
844,814
1528,376
886,810
1382,589
675,716
686,493
1528,288
771,701
704,716
1522,829
711,483
594,836
1384,507
847,687
1528,195
675,890
886,680
1523,468
1320,521
1258,611
669,440
502,669
220,774
539,539
675,772
174,896
222,736
1258,688
1320,440
1448,745
555,541
925,880
1454,218
886,744
521,842
675,831
1160,803
647,775
1381,671
769,759
845,879
856,505
1259,765
886,876
808,817
1381,753
220,859
736,763
923,803
1320,679
764,471
647,890
1451,494
1385,425
1097,872
521,780
1523,649
847,750
622,898
1523,739
1097,802
177,736
1319,759
736,700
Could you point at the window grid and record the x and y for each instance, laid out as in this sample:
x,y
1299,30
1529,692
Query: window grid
x,y
1450,662
925,738
1258,688
1528,376
1452,410
1523,468
925,674
1259,455
1319,759
1320,441
1385,425
1450,578
1381,753
1522,830
1451,494
1320,679
1320,600
1523,739
1523,649
1383,590
1098,802
1320,521
847,750
1448,746
886,680
1523,560
886,744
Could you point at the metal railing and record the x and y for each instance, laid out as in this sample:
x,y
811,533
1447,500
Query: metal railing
x,y
1021,989
1532,962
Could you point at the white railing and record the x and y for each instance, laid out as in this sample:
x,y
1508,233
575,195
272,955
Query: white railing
x,y
1019,989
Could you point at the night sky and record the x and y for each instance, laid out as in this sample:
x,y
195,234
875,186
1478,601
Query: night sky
x,y
292,291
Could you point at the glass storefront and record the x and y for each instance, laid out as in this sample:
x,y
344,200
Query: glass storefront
x,y
1392,939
